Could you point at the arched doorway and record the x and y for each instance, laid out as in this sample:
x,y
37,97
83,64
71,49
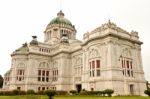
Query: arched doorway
x,y
78,87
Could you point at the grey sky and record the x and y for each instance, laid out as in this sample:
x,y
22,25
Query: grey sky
x,y
20,19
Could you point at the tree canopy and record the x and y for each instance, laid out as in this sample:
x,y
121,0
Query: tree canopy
x,y
1,81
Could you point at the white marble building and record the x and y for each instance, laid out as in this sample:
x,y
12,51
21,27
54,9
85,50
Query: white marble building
x,y
108,57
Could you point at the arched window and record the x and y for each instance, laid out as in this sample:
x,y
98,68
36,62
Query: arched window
x,y
43,72
127,63
55,71
94,63
78,68
61,33
20,72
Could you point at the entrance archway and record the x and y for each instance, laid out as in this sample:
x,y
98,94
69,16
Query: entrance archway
x,y
78,87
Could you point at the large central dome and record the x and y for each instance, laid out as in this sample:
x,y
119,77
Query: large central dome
x,y
57,28
60,19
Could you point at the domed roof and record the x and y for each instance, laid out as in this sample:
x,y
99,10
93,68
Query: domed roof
x,y
60,20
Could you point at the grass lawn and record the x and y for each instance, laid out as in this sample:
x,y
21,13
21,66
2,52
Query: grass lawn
x,y
69,97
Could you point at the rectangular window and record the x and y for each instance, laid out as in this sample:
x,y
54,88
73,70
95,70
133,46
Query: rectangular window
x,y
57,72
128,72
127,64
93,64
39,72
20,72
125,72
39,78
43,72
93,73
98,63
39,88
132,73
19,78
47,73
122,64
18,88
98,72
90,73
47,88
43,78
90,65
47,79
131,64
43,88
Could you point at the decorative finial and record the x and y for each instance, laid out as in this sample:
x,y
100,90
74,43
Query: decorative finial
x,y
24,45
64,38
34,37
34,40
109,22
61,14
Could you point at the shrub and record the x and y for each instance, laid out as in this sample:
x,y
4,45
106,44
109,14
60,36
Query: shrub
x,y
73,92
7,93
40,93
61,92
22,92
1,93
50,93
30,92
83,90
90,93
109,92
147,92
15,92
103,93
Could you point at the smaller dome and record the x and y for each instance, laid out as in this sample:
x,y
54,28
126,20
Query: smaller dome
x,y
60,20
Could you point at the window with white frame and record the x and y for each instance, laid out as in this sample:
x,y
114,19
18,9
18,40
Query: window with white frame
x,y
127,63
78,67
127,69
43,72
94,68
55,71
20,72
94,63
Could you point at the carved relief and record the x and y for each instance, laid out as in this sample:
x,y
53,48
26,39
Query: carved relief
x,y
78,61
43,65
94,53
126,53
21,65
55,64
110,25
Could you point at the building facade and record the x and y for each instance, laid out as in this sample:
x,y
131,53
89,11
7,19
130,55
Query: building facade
x,y
107,58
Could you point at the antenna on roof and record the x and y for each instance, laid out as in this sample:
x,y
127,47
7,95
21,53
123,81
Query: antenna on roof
x,y
60,6
109,16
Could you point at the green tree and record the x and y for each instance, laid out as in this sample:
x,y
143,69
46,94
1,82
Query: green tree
x,y
147,92
50,93
30,92
147,84
109,92
1,81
